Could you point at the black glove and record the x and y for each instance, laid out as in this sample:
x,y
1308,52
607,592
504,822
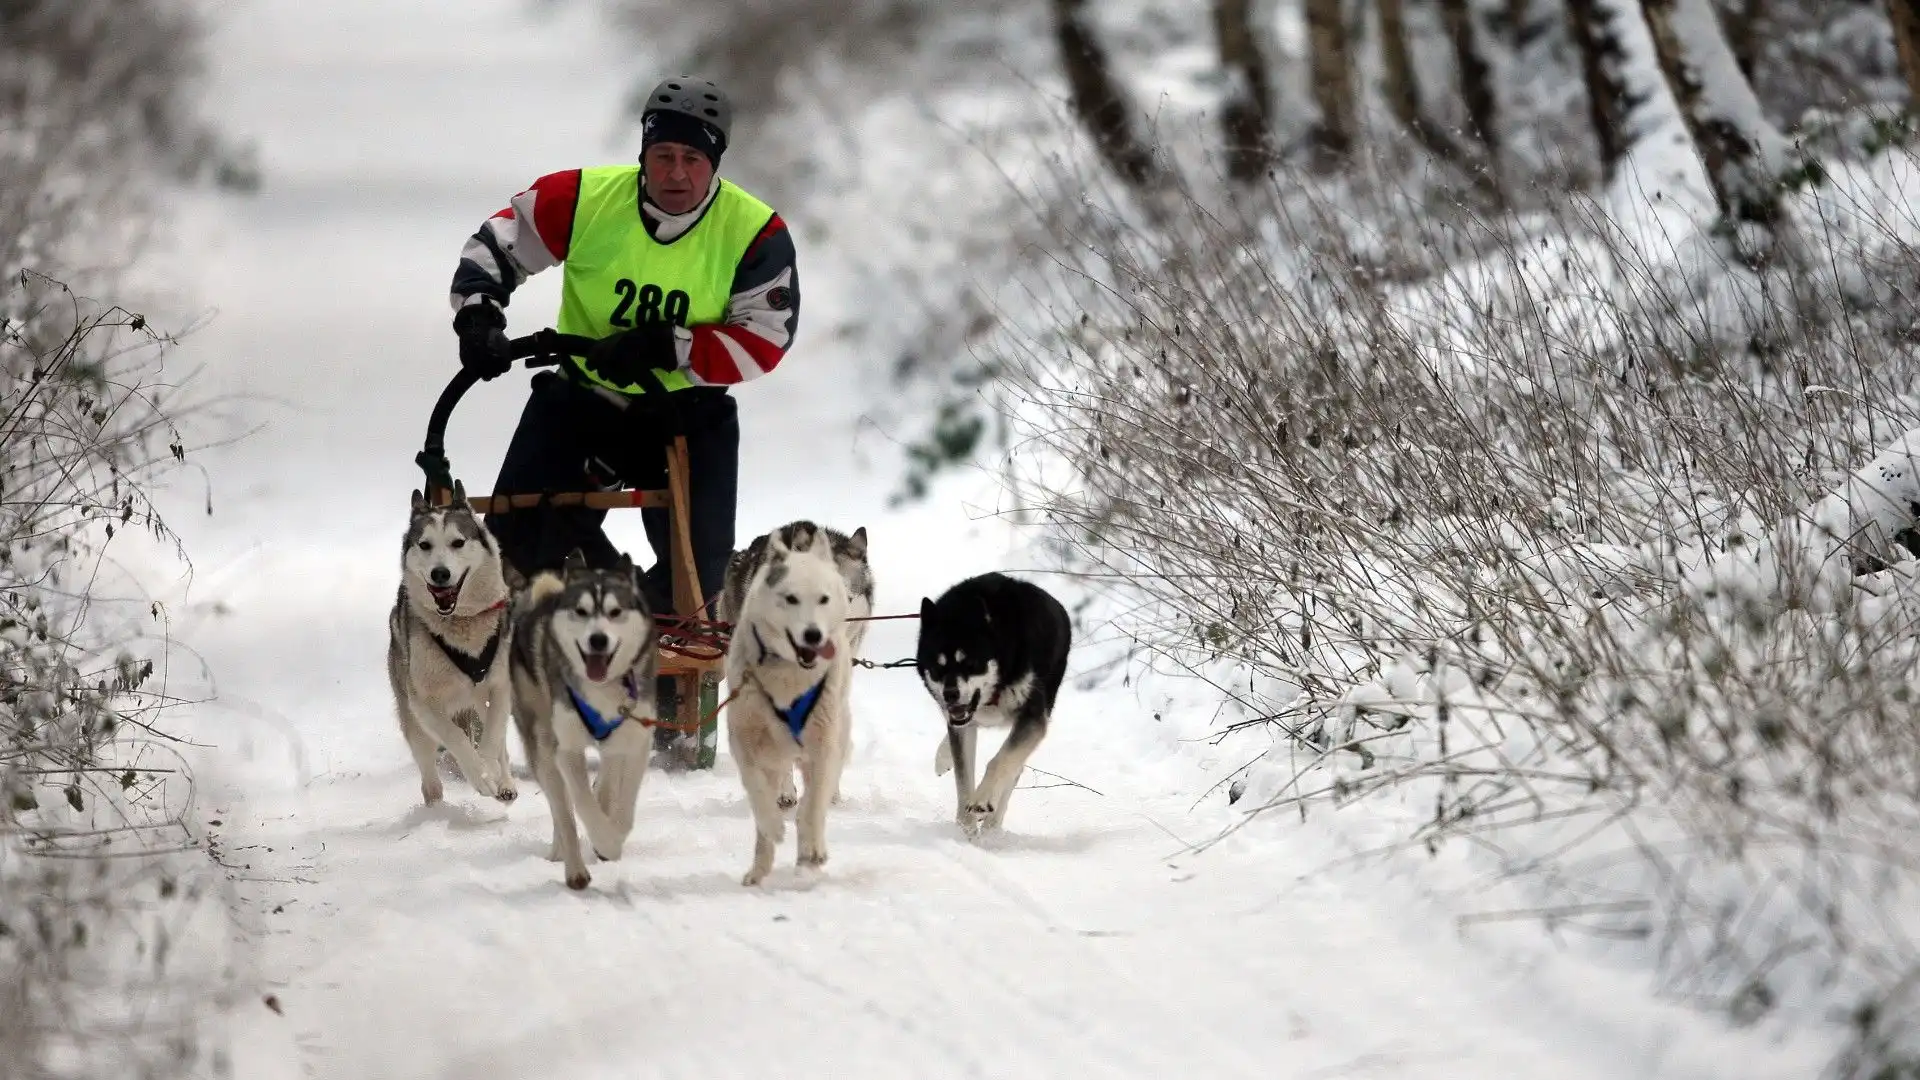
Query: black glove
x,y
625,358
483,339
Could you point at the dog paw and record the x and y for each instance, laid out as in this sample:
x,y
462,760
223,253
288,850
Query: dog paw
x,y
578,880
787,800
753,877
431,791
507,793
811,860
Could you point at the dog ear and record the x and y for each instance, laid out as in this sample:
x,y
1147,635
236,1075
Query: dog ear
x,y
419,502
857,543
776,548
926,610
460,496
574,563
627,569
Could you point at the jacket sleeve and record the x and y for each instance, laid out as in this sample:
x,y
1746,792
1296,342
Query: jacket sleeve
x,y
763,315
529,235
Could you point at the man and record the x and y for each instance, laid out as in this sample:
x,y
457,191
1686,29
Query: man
x,y
681,276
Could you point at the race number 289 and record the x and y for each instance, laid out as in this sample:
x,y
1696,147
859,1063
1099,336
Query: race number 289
x,y
648,303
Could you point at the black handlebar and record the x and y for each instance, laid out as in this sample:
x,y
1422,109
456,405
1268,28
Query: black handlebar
x,y
542,348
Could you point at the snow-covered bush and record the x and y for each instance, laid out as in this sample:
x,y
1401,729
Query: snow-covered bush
x,y
107,900
1564,534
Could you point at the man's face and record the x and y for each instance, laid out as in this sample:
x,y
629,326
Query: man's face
x,y
677,176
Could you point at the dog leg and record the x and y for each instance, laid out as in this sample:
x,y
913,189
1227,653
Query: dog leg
x,y
789,791
477,771
823,780
769,824
960,744
943,758
633,775
426,753
600,831
493,744
607,785
845,747
1003,772
566,841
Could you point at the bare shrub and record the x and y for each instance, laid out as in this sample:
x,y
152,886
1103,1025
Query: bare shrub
x,y
1507,518
112,930
107,900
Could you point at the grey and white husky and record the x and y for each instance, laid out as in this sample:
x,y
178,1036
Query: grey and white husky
x,y
584,662
447,640
850,556
789,664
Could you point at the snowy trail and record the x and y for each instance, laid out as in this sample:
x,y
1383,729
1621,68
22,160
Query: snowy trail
x,y
427,943
406,943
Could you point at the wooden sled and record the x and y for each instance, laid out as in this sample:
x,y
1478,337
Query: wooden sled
x,y
692,652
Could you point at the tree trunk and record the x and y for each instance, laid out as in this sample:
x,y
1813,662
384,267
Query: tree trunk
x,y
1098,99
1601,63
1743,32
1905,16
1403,94
1247,118
1517,12
1476,80
1744,156
1332,73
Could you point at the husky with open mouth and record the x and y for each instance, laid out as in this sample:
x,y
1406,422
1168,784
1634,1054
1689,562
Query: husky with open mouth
x,y
584,664
850,555
447,640
789,663
992,653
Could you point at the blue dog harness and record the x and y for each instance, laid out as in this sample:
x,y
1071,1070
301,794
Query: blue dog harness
x,y
794,715
599,726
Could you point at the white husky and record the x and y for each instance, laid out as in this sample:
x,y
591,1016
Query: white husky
x,y
789,664
447,641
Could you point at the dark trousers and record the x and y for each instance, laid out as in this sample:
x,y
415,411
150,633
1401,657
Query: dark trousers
x,y
572,439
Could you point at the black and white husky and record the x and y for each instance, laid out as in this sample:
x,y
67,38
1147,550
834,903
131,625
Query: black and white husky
x,y
584,662
992,653
447,640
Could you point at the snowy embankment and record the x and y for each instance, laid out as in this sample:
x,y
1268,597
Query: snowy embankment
x,y
397,941
1545,562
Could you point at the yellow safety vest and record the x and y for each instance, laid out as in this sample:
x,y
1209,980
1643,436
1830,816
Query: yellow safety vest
x,y
616,276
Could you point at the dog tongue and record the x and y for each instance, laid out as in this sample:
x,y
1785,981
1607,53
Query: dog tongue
x,y
597,666
825,650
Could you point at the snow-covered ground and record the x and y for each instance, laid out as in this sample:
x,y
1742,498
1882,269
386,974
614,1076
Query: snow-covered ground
x,y
402,942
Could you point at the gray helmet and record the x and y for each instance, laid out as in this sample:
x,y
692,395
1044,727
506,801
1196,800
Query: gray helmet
x,y
693,97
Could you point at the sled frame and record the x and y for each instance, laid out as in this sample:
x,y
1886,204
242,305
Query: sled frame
x,y
696,679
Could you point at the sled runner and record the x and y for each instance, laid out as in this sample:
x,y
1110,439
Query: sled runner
x,y
692,647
